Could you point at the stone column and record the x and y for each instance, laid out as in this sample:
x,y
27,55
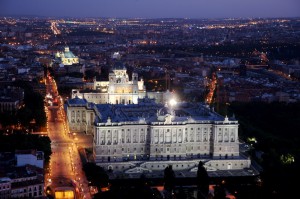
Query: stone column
x,y
119,136
98,136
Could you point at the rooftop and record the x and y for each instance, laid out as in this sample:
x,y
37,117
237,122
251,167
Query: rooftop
x,y
147,111
77,101
30,151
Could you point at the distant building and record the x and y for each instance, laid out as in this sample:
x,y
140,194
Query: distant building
x,y
21,182
67,57
5,187
7,159
80,115
32,157
11,98
27,182
116,55
9,104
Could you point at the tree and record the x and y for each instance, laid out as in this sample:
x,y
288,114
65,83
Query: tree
x,y
202,181
24,116
169,179
90,74
220,192
23,141
96,175
7,118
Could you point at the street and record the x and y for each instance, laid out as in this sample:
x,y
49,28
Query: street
x,y
65,161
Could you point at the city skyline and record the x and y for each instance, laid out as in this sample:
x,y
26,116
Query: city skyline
x,y
152,9
139,107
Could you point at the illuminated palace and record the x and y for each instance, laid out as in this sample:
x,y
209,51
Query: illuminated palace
x,y
148,136
119,89
136,131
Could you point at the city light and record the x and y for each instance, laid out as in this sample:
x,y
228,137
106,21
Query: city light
x,y
173,102
137,96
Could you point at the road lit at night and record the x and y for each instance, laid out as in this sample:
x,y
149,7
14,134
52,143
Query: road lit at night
x,y
65,161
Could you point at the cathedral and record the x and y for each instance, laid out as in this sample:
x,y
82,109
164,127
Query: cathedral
x,y
67,57
119,89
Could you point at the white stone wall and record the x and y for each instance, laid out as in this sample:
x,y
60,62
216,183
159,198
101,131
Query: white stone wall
x,y
70,61
186,165
80,119
97,98
118,90
120,142
225,140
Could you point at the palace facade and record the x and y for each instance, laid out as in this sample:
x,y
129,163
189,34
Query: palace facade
x,y
135,131
148,136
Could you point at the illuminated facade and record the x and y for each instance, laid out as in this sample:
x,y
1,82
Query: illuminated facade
x,y
67,57
65,193
147,136
119,89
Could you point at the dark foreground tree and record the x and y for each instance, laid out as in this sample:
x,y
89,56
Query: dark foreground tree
x,y
22,141
202,181
96,175
169,179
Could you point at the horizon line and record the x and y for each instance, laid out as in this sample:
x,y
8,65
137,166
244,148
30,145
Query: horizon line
x,y
202,18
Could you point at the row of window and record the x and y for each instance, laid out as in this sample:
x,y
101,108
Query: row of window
x,y
4,187
157,157
34,194
128,150
7,106
180,130
29,189
142,140
108,139
158,150
186,129
134,150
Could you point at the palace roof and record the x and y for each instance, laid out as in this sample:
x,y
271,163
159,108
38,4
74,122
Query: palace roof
x,y
150,112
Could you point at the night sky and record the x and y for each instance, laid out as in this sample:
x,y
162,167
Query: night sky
x,y
152,8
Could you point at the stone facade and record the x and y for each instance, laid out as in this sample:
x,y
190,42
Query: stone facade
x,y
148,134
80,115
119,89
162,141
135,132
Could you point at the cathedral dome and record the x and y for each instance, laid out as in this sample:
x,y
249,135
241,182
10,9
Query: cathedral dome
x,y
119,66
68,53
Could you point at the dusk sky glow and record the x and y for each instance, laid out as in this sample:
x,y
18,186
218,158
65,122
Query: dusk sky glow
x,y
152,8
